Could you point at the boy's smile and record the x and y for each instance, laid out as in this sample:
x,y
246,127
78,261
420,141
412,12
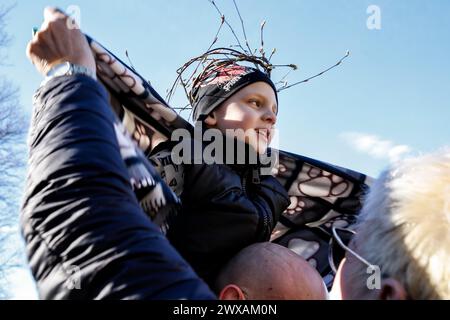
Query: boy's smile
x,y
253,109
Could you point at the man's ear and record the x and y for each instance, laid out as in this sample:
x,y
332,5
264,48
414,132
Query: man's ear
x,y
231,292
392,289
211,119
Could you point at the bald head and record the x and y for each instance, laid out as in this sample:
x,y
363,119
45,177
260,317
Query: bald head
x,y
265,271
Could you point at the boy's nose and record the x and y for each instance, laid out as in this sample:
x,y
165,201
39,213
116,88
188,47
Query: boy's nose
x,y
270,116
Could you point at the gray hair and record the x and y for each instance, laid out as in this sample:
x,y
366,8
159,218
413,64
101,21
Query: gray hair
x,y
404,226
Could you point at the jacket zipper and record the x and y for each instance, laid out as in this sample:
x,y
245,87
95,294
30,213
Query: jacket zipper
x,y
244,184
256,180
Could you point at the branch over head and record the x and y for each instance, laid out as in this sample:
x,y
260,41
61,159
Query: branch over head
x,y
211,77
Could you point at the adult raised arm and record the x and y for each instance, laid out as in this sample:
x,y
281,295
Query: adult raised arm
x,y
86,235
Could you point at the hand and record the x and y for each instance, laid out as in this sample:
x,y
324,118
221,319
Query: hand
x,y
57,41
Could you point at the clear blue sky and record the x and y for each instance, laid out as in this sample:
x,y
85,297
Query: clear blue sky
x,y
390,98
394,89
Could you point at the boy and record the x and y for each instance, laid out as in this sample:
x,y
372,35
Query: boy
x,y
229,206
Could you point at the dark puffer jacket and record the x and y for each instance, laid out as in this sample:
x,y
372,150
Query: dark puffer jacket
x,y
224,210
86,235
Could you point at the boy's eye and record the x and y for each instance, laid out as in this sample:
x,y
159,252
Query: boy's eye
x,y
255,102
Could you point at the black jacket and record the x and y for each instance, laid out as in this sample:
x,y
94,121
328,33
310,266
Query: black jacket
x,y
85,233
224,210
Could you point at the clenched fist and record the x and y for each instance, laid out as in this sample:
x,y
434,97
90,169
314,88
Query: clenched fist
x,y
59,41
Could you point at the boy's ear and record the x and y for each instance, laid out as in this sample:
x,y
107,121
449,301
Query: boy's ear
x,y
211,119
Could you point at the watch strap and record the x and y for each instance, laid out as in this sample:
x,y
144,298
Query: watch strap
x,y
68,69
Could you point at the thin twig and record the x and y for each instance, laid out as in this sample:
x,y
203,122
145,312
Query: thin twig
x,y
272,53
129,60
262,35
282,80
229,25
317,75
243,27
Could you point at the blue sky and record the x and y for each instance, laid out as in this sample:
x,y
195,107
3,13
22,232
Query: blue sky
x,y
389,99
392,91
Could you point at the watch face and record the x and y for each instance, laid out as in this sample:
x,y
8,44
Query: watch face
x,y
59,70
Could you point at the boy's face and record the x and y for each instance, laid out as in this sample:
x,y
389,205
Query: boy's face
x,y
252,109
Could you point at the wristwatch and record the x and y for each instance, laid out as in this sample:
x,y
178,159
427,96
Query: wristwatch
x,y
68,69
